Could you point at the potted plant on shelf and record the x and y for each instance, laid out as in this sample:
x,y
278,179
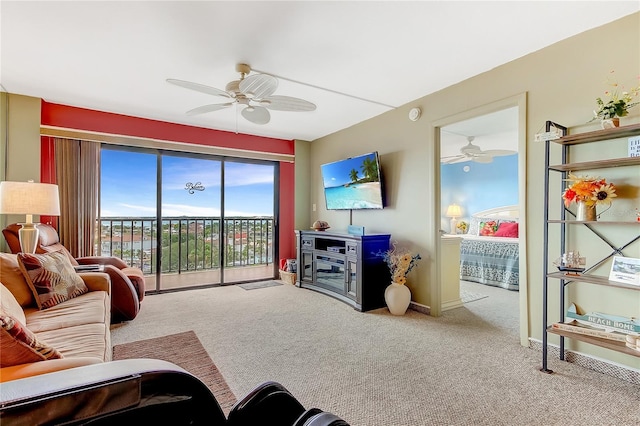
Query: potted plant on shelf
x,y
397,295
615,105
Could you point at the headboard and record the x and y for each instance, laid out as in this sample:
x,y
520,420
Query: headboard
x,y
504,212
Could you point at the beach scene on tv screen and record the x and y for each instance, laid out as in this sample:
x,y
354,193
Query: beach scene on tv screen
x,y
353,183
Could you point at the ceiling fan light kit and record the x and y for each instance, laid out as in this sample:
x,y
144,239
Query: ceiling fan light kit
x,y
255,92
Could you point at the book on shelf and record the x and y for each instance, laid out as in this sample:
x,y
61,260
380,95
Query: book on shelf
x,y
604,321
575,327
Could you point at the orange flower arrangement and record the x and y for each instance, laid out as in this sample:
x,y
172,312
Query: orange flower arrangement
x,y
590,190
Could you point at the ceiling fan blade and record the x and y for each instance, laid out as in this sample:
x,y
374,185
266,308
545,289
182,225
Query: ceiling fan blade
x,y
199,87
208,108
499,152
483,159
454,159
286,103
257,114
258,86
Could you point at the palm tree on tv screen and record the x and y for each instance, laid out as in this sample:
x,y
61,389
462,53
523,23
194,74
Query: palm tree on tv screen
x,y
370,169
353,174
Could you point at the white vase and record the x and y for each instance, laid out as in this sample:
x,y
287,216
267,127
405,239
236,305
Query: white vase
x,y
398,297
610,123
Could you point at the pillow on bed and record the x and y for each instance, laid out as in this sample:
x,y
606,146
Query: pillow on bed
x,y
474,224
507,229
488,228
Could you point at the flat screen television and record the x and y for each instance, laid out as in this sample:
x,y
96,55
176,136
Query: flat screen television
x,y
353,183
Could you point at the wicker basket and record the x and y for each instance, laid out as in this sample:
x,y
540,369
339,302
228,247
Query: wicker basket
x,y
288,277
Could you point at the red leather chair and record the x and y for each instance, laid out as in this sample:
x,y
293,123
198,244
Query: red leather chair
x,y
127,283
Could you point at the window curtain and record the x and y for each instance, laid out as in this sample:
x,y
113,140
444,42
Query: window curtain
x,y
77,174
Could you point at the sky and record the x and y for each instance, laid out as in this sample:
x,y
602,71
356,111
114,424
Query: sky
x,y
128,186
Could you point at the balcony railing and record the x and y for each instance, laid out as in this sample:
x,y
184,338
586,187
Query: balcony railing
x,y
187,244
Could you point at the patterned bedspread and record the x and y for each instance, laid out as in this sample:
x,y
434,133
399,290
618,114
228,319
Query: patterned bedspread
x,y
490,260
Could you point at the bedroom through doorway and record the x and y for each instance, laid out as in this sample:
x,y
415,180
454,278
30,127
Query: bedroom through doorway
x,y
482,168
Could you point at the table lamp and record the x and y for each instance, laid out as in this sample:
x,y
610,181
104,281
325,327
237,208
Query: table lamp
x,y
454,212
29,198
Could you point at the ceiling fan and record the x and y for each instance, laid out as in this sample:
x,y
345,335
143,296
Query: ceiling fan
x,y
471,152
253,92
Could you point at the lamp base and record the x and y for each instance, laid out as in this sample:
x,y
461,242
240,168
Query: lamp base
x,y
28,236
454,226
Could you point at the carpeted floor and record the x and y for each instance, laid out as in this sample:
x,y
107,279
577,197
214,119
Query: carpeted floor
x,y
468,296
185,350
466,367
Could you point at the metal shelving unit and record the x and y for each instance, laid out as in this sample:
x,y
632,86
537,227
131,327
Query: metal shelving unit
x,y
564,167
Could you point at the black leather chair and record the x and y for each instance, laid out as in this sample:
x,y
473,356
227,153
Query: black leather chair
x,y
144,391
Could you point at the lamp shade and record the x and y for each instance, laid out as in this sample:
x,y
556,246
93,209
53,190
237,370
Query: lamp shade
x,y
29,198
454,211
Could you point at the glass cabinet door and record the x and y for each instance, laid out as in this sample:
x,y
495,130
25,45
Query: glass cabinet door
x,y
352,279
306,268
330,273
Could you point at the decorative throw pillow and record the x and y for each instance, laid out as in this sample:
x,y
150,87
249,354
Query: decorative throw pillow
x,y
51,278
507,229
476,223
20,345
488,228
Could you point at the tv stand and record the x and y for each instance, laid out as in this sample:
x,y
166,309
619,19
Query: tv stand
x,y
350,268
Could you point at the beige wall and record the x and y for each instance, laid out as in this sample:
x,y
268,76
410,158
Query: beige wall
x,y
20,152
561,83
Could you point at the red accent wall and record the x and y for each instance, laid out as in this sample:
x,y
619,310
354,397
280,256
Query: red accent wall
x,y
106,122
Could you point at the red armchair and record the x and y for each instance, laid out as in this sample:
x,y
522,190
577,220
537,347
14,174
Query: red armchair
x,y
127,283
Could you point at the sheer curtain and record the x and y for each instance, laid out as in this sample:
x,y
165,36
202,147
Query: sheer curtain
x,y
78,175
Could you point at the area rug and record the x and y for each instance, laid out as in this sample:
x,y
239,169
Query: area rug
x,y
186,351
259,284
468,296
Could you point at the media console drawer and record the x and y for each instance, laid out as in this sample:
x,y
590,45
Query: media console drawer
x,y
333,264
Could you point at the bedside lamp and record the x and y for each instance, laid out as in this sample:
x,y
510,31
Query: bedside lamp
x,y
29,198
454,211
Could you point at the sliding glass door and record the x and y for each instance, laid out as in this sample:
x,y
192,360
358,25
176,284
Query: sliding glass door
x,y
249,220
190,214
189,220
128,200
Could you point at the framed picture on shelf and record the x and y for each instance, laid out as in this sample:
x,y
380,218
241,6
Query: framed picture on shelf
x,y
625,270
634,146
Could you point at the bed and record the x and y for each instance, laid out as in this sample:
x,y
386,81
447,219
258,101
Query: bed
x,y
489,252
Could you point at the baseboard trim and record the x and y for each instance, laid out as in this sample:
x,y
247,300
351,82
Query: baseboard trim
x,y
618,371
423,309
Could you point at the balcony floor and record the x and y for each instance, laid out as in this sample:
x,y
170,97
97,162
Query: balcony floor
x,y
175,281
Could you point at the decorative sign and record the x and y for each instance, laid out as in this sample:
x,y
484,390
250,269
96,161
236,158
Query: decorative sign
x,y
548,136
634,146
192,187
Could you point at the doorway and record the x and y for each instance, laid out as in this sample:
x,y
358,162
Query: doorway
x,y
479,151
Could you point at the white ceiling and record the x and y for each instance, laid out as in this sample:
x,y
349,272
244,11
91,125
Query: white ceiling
x,y
115,56
498,130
